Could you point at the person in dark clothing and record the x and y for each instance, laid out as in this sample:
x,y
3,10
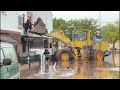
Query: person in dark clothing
x,y
47,61
46,53
27,25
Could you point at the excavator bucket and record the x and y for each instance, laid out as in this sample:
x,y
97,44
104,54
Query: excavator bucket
x,y
38,29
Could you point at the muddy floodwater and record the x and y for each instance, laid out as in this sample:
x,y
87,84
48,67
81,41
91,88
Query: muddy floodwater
x,y
97,73
69,74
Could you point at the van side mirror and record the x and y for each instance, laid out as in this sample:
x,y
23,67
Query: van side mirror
x,y
6,61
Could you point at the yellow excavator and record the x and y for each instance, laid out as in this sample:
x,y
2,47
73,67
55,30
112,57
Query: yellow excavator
x,y
82,48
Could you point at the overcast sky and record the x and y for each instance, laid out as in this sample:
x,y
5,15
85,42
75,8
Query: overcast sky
x,y
106,16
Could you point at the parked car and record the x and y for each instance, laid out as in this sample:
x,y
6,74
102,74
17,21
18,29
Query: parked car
x,y
29,56
9,66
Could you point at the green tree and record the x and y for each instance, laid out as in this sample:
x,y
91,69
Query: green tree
x,y
73,24
83,24
59,24
110,33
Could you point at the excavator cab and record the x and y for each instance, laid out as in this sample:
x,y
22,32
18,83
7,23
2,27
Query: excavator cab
x,y
81,38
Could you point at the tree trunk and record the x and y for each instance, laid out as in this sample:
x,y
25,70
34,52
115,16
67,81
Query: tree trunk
x,y
113,53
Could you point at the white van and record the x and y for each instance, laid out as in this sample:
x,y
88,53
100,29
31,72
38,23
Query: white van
x,y
9,66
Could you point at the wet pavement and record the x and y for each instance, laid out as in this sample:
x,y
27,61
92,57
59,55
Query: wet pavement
x,y
25,71
59,74
97,73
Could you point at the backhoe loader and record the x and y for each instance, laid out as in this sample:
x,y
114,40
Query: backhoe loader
x,y
82,48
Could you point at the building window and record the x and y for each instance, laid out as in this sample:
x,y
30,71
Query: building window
x,y
4,13
21,20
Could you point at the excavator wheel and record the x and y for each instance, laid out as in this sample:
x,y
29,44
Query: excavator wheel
x,y
64,57
98,58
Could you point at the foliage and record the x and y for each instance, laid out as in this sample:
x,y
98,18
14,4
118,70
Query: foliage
x,y
110,32
68,26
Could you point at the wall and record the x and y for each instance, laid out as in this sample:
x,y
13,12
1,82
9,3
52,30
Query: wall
x,y
9,27
10,21
46,16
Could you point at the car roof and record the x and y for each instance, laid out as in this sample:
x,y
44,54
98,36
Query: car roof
x,y
5,44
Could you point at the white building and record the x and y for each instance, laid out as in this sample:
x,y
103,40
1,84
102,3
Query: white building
x,y
10,20
11,24
46,17
11,27
13,20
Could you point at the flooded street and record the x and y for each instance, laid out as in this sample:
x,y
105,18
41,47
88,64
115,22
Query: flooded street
x,y
97,73
104,73
25,71
60,74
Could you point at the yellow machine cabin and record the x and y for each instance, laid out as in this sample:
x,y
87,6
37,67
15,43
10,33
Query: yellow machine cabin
x,y
83,37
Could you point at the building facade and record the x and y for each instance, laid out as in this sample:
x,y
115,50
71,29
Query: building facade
x,y
11,25
38,42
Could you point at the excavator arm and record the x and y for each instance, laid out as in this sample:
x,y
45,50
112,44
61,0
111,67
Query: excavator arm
x,y
60,36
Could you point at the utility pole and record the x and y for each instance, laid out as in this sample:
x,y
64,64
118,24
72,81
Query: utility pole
x,y
100,21
100,26
119,31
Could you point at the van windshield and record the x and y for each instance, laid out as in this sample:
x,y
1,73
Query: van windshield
x,y
10,53
13,54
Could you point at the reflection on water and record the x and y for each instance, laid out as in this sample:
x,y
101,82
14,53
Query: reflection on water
x,y
59,74
104,73
97,73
